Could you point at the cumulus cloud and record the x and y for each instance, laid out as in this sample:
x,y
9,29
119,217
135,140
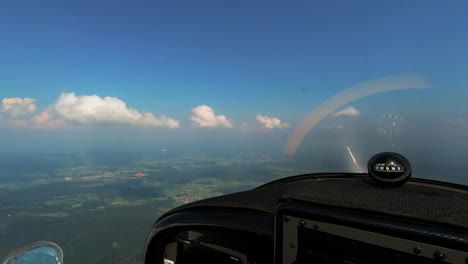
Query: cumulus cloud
x,y
204,116
93,109
70,109
18,107
271,122
349,111
43,120
47,120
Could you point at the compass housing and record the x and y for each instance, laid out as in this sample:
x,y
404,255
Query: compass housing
x,y
389,169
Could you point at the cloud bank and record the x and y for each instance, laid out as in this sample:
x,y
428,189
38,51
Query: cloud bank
x,y
70,110
18,107
204,116
349,111
271,122
92,109
47,120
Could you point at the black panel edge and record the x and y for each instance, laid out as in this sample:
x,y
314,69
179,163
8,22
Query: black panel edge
x,y
342,175
313,176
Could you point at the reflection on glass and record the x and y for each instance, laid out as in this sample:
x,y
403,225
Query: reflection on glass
x,y
36,253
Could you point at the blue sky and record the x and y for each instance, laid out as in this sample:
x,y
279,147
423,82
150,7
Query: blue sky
x,y
241,58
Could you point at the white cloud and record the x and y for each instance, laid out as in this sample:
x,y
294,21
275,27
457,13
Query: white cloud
x,y
204,116
349,111
42,120
46,120
18,107
271,122
96,110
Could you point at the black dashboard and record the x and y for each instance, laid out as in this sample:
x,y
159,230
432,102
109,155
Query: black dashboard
x,y
320,218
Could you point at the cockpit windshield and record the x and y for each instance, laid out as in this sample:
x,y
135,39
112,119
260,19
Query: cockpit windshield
x,y
113,112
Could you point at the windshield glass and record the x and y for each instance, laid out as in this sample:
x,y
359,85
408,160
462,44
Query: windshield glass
x,y
114,112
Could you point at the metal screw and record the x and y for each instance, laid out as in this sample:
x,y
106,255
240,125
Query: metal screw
x,y
315,227
417,250
439,255
292,245
302,223
286,218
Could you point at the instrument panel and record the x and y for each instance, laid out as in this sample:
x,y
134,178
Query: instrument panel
x,y
318,235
